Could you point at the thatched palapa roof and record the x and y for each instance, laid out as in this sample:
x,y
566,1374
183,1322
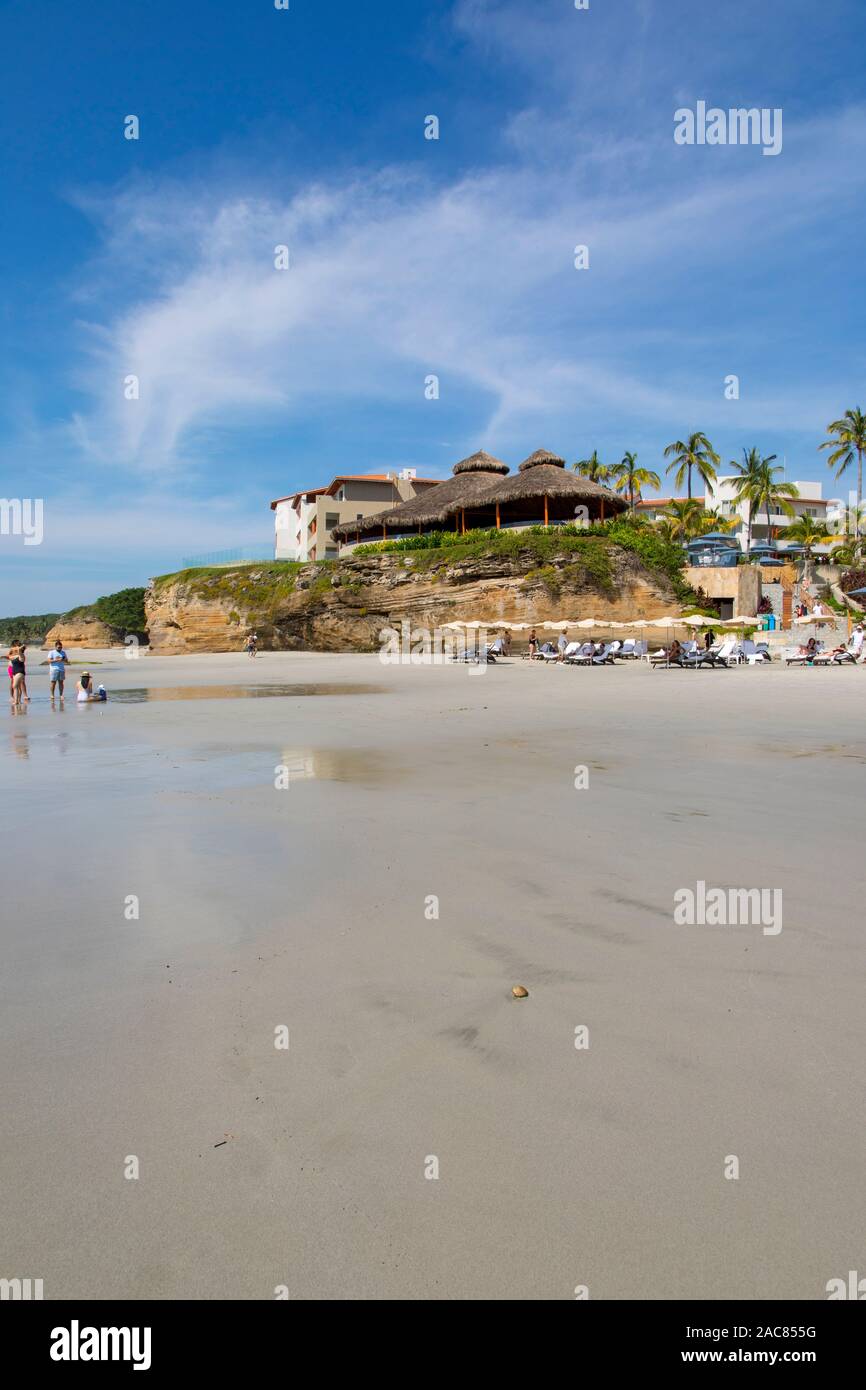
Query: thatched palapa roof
x,y
545,474
471,481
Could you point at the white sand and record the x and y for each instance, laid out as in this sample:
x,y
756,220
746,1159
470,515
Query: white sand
x,y
306,907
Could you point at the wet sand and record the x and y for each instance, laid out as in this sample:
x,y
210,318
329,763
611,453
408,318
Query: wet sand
x,y
310,908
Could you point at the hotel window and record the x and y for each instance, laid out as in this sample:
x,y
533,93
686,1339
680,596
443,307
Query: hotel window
x,y
332,519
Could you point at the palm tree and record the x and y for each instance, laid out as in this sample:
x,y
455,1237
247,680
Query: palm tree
x,y
663,526
592,469
695,453
631,480
808,533
684,519
848,437
681,518
749,486
774,494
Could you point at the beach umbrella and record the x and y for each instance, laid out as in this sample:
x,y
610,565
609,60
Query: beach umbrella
x,y
557,627
588,623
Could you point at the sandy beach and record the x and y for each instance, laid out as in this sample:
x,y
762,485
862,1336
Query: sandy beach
x,y
430,851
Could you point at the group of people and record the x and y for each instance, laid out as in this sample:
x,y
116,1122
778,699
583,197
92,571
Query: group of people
x,y
802,610
853,648
547,648
57,663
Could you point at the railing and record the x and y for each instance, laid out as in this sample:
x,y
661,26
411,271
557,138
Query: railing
x,y
212,559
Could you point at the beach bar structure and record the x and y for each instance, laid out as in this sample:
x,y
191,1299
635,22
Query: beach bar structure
x,y
483,494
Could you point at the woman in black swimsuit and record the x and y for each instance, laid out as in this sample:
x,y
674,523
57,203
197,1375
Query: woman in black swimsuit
x,y
19,676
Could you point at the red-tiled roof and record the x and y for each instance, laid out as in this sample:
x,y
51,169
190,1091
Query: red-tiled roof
x,y
661,501
375,478
347,478
301,492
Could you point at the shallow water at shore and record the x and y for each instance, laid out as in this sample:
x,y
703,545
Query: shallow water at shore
x,y
138,695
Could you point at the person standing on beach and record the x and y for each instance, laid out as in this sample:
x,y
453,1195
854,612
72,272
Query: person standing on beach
x,y
57,660
18,672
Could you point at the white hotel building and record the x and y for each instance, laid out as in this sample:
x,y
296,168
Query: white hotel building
x,y
303,521
720,497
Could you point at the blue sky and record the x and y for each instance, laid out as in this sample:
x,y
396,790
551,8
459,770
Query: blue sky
x,y
409,257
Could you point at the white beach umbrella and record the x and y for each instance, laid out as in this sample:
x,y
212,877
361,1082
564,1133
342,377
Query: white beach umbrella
x,y
588,622
557,627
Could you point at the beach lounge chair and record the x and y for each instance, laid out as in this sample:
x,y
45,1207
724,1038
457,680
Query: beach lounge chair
x,y
756,655
845,656
794,657
701,656
481,656
583,656
606,656
660,658
627,651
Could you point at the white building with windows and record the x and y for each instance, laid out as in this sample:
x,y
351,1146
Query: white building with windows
x,y
721,497
304,521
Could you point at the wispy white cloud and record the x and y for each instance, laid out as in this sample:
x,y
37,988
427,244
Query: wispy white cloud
x,y
473,281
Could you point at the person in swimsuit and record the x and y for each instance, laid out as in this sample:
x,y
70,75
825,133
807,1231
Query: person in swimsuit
x,y
85,689
18,675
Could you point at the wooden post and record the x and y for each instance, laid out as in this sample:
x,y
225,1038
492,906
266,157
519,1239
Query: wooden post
x,y
384,533
602,509
497,516
463,521
545,509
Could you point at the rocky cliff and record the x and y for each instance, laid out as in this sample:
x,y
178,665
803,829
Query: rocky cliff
x,y
343,605
80,632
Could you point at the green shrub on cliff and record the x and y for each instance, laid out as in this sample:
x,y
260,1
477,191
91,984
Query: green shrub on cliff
x,y
589,545
123,612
